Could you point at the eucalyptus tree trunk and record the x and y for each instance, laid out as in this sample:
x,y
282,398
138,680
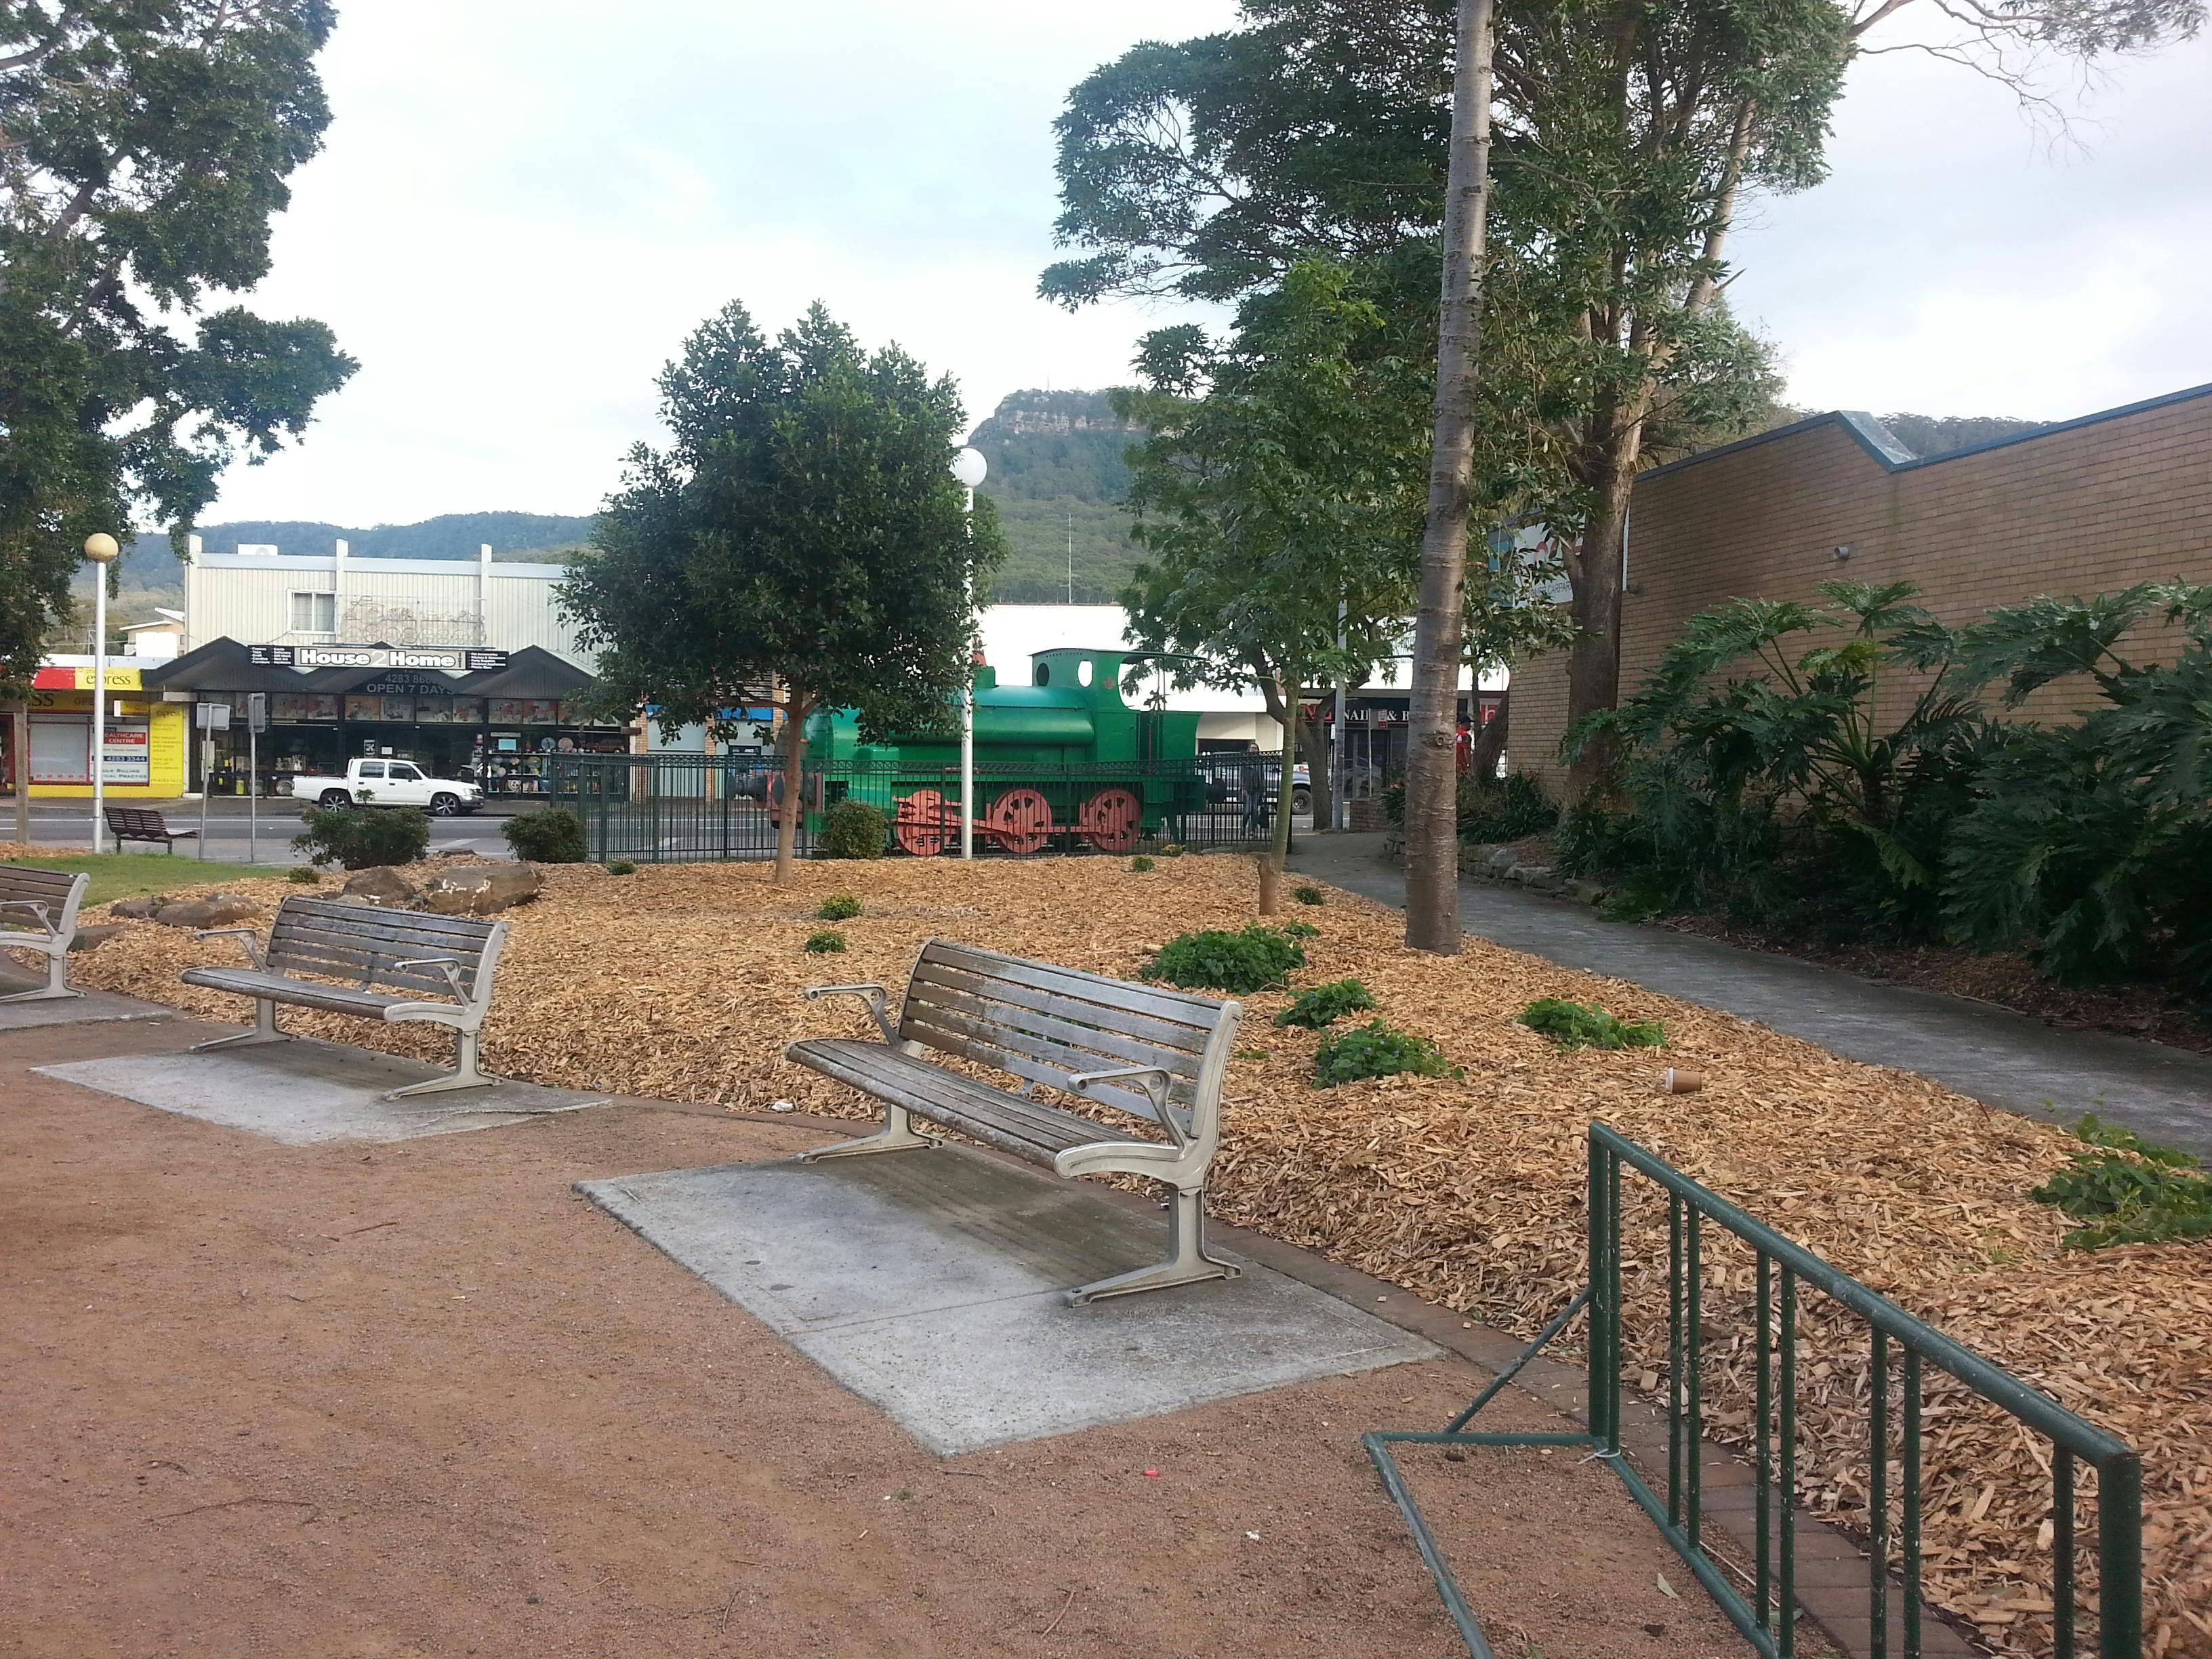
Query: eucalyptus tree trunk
x,y
796,710
1598,571
1433,780
19,752
1313,743
1281,853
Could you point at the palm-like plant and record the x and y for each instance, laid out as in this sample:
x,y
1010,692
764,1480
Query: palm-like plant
x,y
1763,775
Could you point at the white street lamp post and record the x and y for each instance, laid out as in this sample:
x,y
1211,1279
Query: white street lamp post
x,y
969,467
102,550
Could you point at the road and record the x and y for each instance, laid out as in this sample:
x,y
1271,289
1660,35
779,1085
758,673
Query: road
x,y
69,823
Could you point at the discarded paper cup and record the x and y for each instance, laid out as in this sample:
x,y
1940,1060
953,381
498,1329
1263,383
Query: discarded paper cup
x,y
1681,1083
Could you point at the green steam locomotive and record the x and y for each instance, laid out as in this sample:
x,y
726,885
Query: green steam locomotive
x,y
1061,757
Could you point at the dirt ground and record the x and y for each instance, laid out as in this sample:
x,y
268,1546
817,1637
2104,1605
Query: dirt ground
x,y
423,1400
680,981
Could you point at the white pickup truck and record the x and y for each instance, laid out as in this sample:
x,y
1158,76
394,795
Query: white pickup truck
x,y
390,783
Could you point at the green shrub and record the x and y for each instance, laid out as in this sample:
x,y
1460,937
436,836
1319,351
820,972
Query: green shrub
x,y
2089,844
1502,809
1308,894
1324,1005
1579,1025
1254,959
1300,930
363,837
1377,1050
2128,1191
828,942
1140,863
1173,849
554,836
838,906
621,867
853,830
304,876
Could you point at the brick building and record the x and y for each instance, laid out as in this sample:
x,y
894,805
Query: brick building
x,y
2083,508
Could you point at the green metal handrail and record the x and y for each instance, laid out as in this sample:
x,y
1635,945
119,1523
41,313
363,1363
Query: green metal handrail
x,y
1768,1619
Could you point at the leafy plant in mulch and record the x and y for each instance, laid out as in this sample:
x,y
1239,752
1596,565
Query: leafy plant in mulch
x,y
1586,1025
1140,863
1307,893
555,835
853,830
362,838
621,867
1173,849
301,874
828,942
1252,959
1377,1050
1325,1005
2128,1191
1300,930
838,906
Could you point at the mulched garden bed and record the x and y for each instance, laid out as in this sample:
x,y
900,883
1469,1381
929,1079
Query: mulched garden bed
x,y
682,981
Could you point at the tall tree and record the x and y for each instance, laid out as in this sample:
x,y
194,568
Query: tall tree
x,y
1273,495
1627,133
144,146
1433,773
801,540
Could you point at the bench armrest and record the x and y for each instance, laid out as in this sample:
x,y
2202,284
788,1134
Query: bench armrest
x,y
451,964
878,1000
36,907
252,941
1155,1088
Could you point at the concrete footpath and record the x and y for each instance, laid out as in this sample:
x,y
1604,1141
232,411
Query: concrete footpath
x,y
1991,1054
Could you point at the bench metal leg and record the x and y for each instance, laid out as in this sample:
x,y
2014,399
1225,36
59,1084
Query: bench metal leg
x,y
897,1135
1187,1263
57,967
264,1030
464,1075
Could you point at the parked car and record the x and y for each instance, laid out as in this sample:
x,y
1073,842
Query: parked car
x,y
390,783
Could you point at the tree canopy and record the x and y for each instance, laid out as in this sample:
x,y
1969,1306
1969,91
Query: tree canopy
x,y
803,532
144,145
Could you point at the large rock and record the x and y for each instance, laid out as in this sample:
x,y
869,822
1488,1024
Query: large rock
x,y
138,909
94,934
381,885
214,910
479,890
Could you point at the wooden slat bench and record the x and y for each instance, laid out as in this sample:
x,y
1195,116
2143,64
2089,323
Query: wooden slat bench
x,y
430,968
37,913
1155,1054
144,824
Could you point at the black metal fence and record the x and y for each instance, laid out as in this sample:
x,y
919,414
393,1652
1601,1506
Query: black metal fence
x,y
1901,1353
682,808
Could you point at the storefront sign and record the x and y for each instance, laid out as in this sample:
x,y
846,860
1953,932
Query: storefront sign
x,y
126,753
436,658
80,679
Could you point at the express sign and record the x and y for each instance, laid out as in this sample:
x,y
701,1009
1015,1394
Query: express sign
x,y
437,659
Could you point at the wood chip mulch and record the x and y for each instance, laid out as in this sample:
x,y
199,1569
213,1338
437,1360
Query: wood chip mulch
x,y
680,981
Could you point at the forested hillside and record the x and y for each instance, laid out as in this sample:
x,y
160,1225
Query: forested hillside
x,y
451,536
1056,473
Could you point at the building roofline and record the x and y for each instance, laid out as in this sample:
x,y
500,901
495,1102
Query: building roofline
x,y
1882,444
323,563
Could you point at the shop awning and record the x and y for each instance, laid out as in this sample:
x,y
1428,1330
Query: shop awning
x,y
224,664
532,672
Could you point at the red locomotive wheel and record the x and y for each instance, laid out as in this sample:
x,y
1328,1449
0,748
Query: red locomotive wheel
x,y
1111,820
1020,821
925,826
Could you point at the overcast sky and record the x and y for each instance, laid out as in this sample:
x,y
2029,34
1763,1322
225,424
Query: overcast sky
x,y
526,205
